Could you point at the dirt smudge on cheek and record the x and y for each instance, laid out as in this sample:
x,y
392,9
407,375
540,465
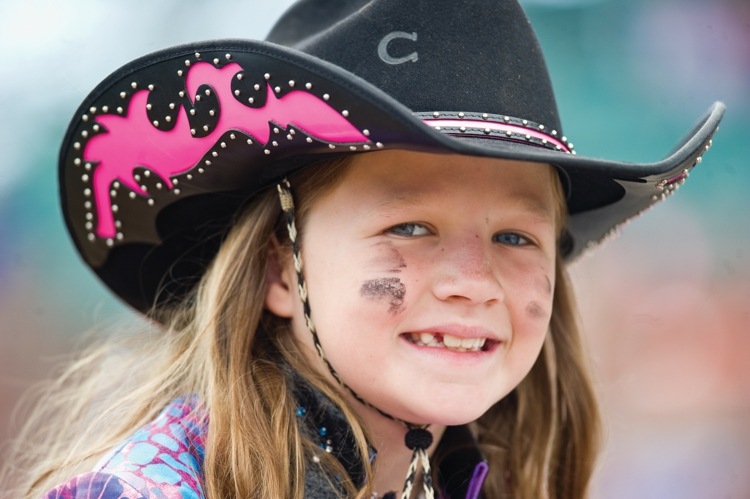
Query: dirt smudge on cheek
x,y
536,311
399,263
540,303
544,285
390,288
394,262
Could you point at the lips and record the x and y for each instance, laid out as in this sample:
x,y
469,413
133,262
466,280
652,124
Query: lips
x,y
451,342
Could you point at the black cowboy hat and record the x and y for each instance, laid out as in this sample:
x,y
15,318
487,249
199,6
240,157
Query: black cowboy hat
x,y
161,154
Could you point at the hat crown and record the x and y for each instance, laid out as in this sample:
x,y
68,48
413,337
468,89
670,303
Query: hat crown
x,y
431,55
162,153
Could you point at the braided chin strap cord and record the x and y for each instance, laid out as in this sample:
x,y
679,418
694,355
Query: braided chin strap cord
x,y
418,438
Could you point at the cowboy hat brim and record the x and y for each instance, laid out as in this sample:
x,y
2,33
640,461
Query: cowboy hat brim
x,y
160,156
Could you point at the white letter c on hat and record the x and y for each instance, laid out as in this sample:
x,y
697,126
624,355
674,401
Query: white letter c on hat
x,y
383,48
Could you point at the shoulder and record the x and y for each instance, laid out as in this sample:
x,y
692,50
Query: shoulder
x,y
163,459
99,485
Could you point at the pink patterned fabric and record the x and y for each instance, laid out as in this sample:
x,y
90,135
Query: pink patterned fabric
x,y
178,150
162,460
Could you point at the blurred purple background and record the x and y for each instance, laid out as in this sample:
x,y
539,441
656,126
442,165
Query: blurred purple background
x,y
666,306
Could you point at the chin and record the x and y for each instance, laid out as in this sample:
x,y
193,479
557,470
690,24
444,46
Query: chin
x,y
451,412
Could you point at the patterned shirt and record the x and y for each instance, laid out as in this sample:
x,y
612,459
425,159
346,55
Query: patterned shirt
x,y
164,459
161,460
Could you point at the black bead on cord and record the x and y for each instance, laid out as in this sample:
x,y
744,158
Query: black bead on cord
x,y
417,438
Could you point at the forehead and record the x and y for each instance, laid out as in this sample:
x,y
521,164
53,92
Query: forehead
x,y
394,178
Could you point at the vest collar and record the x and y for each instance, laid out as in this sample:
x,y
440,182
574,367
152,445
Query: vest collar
x,y
461,466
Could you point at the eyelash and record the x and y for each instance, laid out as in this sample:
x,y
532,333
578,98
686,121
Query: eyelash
x,y
510,238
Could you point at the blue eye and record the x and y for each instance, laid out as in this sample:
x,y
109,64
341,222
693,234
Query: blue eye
x,y
410,229
510,239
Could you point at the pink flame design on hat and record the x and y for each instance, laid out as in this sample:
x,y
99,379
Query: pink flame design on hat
x,y
132,141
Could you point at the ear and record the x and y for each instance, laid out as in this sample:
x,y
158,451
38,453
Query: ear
x,y
280,286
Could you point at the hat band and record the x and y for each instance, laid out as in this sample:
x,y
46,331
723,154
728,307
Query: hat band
x,y
496,127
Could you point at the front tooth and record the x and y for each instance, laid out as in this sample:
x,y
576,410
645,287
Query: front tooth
x,y
451,341
469,343
426,338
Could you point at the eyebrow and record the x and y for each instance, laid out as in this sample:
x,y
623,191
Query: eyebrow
x,y
535,207
393,203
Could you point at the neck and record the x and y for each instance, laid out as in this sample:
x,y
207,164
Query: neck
x,y
393,458
387,436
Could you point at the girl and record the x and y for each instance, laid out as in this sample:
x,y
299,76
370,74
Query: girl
x,y
352,241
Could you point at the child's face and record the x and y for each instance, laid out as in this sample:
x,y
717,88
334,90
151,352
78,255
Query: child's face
x,y
430,279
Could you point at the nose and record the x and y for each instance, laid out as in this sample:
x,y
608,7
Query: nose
x,y
465,272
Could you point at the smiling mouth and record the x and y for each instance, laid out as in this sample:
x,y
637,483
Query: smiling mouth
x,y
449,342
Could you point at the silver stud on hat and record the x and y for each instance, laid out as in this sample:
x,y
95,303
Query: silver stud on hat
x,y
177,107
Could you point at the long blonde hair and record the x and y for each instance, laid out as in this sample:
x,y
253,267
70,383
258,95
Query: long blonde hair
x,y
223,347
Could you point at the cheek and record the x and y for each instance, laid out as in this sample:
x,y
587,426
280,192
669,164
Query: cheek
x,y
539,305
536,311
388,290
387,260
533,312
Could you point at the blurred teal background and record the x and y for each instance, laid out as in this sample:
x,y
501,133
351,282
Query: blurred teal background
x,y
666,306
